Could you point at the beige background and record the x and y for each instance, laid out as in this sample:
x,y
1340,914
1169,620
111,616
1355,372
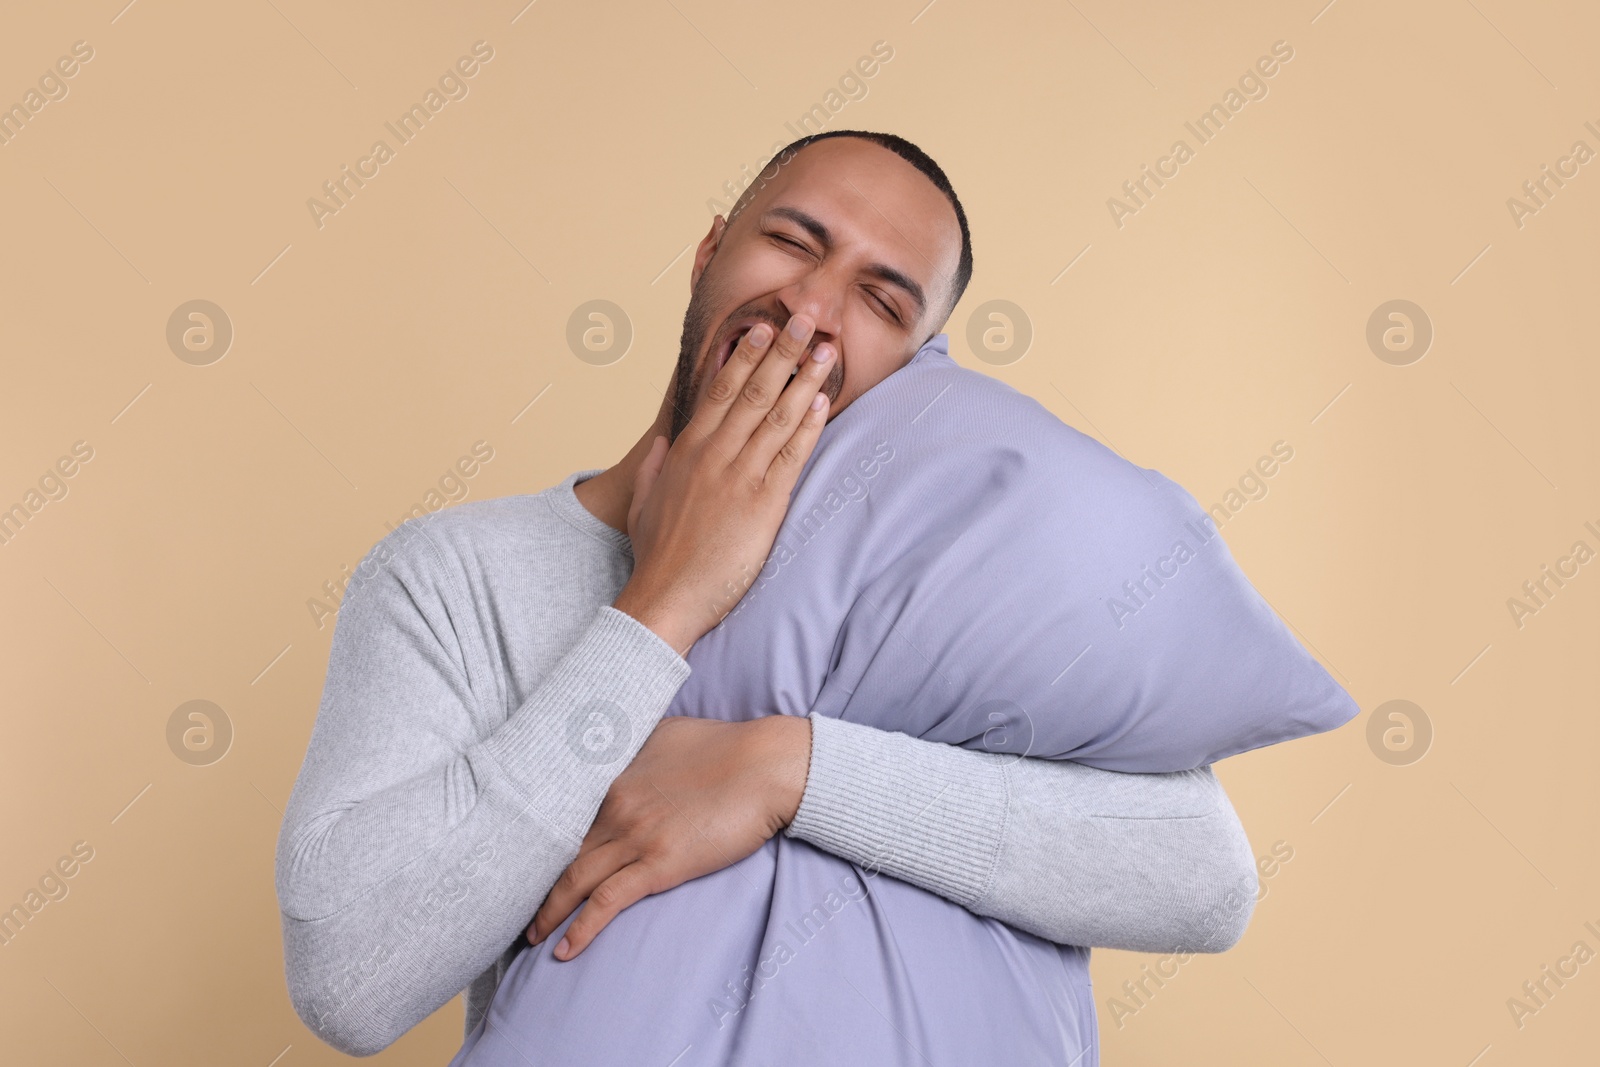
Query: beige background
x,y
431,311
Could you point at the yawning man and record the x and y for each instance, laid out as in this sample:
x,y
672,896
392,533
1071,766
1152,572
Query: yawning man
x,y
491,780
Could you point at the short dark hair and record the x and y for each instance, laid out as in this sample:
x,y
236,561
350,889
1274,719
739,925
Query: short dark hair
x,y
906,151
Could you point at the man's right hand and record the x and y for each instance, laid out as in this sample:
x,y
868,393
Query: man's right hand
x,y
706,511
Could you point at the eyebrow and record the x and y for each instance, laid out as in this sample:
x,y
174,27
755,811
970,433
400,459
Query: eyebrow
x,y
881,271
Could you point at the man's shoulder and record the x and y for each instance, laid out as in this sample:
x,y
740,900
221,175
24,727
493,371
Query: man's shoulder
x,y
486,564
473,530
516,531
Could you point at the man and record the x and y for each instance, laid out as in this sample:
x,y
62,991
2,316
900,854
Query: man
x,y
451,794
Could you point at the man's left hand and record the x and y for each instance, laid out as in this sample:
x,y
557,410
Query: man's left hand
x,y
701,795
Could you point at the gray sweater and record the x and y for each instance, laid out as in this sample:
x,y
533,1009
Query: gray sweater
x,y
463,643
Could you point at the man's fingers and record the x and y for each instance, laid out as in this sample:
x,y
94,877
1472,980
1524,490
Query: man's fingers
x,y
730,378
784,419
644,479
576,882
793,453
622,890
765,385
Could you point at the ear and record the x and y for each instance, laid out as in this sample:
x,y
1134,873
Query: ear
x,y
708,248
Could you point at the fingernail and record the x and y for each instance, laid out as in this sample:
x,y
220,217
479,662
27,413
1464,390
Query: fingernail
x,y
561,949
818,400
760,334
799,326
822,353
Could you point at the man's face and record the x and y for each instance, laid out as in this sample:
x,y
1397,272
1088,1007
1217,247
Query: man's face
x,y
849,234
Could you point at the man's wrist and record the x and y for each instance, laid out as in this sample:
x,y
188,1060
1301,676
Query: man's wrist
x,y
783,754
665,624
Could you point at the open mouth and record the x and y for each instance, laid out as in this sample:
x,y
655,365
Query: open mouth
x,y
731,343
727,349
734,338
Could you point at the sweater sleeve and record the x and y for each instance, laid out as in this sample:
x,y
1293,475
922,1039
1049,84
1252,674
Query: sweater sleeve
x,y
418,843
1070,853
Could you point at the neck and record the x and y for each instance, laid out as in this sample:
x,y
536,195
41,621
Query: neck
x,y
608,496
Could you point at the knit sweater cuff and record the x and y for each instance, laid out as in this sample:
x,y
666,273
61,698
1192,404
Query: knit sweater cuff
x,y
922,811
588,719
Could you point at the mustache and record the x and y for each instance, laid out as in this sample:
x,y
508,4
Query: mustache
x,y
741,319
696,351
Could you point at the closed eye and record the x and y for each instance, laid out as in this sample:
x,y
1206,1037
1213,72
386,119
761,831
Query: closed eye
x,y
791,242
887,307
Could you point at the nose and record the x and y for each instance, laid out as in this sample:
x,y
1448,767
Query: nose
x,y
819,296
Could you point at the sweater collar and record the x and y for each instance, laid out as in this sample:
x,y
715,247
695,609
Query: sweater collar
x,y
567,505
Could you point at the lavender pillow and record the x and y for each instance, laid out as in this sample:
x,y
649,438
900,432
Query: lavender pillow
x,y
961,566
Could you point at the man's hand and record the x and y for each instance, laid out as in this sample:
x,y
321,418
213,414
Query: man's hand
x,y
705,512
701,795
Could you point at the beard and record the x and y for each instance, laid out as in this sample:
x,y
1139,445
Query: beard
x,y
686,379
690,372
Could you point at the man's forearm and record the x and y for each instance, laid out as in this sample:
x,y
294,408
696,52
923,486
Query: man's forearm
x,y
412,853
1073,854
